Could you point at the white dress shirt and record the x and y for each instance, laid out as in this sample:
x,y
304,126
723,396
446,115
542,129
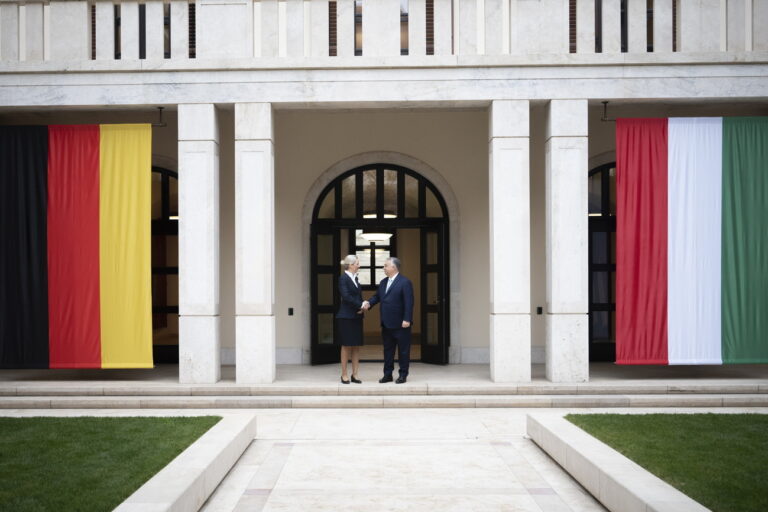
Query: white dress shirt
x,y
389,283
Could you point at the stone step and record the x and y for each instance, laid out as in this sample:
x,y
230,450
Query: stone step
x,y
81,389
379,401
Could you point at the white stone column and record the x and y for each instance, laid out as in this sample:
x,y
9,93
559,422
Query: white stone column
x,y
443,13
199,321
179,36
417,27
662,26
567,342
381,28
585,26
70,31
254,244
637,37
510,247
153,22
345,28
319,28
611,26
33,42
9,32
129,30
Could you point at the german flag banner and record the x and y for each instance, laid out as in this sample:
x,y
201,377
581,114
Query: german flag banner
x,y
75,225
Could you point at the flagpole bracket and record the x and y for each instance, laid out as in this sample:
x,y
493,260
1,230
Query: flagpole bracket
x,y
605,117
160,123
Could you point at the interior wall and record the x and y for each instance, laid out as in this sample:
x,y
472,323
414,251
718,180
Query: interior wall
x,y
226,119
538,231
455,143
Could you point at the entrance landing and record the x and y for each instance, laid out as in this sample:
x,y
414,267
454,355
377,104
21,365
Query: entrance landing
x,y
299,386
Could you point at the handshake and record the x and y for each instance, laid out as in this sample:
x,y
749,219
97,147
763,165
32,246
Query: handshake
x,y
365,307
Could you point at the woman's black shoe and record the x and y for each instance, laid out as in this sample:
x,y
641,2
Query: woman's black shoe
x,y
344,381
355,380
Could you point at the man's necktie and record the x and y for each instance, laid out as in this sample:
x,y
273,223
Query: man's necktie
x,y
357,282
389,283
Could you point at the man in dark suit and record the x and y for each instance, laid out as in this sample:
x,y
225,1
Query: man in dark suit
x,y
396,296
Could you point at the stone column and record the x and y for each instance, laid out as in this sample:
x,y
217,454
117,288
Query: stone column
x,y
567,342
254,243
381,28
510,249
199,321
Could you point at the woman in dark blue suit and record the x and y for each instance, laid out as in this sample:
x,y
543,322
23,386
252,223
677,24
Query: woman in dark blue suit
x,y
349,318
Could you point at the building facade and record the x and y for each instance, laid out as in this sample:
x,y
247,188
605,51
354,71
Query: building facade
x,y
472,132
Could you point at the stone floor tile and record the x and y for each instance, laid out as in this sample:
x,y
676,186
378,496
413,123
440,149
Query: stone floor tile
x,y
551,502
269,471
392,502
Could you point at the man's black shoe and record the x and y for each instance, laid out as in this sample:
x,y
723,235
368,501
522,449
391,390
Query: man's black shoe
x,y
400,380
386,378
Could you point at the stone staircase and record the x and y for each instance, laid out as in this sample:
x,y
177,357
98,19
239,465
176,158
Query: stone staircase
x,y
227,395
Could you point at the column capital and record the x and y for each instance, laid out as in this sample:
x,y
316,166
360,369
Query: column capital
x,y
509,118
254,121
198,121
567,118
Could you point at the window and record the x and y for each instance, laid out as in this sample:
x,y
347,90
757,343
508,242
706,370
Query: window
x,y
372,255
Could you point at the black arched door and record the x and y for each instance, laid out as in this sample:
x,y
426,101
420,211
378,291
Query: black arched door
x,y
408,216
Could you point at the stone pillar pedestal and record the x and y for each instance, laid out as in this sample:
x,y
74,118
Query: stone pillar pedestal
x,y
510,250
254,244
567,343
199,322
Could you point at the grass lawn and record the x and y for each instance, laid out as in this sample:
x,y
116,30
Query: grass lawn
x,y
720,460
86,463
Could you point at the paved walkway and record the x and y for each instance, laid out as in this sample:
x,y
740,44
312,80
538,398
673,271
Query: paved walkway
x,y
398,459
414,460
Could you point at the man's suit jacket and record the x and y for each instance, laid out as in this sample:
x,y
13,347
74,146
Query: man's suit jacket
x,y
351,298
397,304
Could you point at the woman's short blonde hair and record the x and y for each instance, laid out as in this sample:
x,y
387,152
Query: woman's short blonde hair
x,y
349,260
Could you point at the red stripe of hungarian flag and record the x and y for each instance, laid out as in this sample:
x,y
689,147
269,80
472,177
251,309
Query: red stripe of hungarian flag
x,y
641,290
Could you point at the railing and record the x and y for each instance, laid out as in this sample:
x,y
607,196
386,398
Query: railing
x,y
62,30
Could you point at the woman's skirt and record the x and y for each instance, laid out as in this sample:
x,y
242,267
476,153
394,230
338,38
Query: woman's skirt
x,y
349,331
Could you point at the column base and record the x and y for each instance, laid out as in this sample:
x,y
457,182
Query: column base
x,y
567,358
199,349
255,349
511,348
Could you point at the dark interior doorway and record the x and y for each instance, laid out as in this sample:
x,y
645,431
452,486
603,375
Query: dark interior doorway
x,y
165,266
377,211
602,263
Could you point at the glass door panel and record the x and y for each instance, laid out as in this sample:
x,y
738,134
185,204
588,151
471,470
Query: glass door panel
x,y
434,308
326,254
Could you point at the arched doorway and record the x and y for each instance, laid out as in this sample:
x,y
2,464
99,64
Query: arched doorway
x,y
376,211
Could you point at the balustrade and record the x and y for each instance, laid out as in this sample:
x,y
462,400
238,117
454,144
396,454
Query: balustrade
x,y
59,30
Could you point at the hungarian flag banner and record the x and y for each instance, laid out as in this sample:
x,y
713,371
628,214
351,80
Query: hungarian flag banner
x,y
692,240
75,268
